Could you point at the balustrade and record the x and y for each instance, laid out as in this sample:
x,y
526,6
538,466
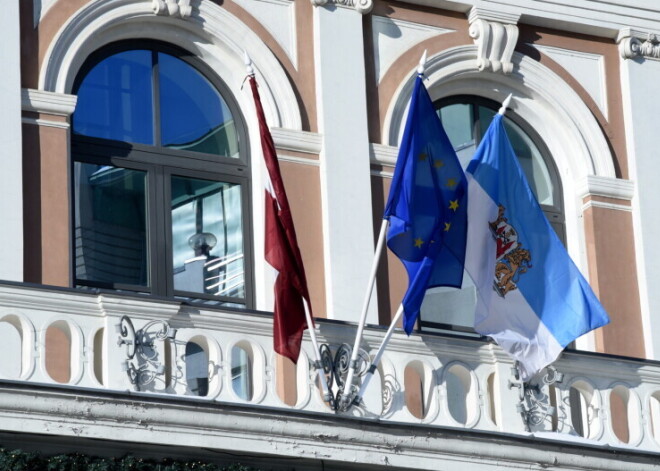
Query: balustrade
x,y
121,343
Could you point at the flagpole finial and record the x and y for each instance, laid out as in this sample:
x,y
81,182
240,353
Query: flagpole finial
x,y
505,104
422,64
248,64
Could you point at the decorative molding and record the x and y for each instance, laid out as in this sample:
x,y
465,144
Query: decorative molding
x,y
298,141
60,104
607,187
496,35
176,8
46,122
298,160
603,205
631,44
380,154
361,6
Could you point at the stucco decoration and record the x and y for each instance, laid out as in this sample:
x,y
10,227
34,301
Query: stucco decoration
x,y
361,6
175,8
495,34
631,44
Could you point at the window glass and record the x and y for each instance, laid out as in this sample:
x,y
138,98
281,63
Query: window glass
x,y
458,123
149,215
193,114
115,99
528,154
110,224
207,237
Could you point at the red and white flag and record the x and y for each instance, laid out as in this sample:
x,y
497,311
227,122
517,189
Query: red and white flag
x,y
281,250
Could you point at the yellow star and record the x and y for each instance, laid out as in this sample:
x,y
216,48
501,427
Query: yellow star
x,y
451,182
418,243
447,226
438,164
422,156
453,205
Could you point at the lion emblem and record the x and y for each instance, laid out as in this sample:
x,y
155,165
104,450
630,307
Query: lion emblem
x,y
511,259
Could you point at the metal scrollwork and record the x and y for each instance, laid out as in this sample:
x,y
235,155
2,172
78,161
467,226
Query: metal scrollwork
x,y
142,364
534,404
336,369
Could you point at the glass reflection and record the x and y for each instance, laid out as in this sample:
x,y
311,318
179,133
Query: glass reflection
x,y
207,237
110,224
115,99
458,120
193,114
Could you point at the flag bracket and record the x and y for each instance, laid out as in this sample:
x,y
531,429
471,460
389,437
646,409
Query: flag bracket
x,y
533,400
335,366
142,364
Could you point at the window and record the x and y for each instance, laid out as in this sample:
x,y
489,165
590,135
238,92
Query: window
x,y
466,119
161,177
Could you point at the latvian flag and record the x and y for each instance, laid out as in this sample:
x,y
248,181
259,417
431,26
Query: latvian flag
x,y
281,250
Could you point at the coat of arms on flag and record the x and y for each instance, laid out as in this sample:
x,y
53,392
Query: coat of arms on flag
x,y
511,259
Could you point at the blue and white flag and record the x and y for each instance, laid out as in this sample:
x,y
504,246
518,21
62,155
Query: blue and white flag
x,y
427,206
531,298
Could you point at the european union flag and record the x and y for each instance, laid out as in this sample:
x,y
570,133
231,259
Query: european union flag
x,y
532,299
427,206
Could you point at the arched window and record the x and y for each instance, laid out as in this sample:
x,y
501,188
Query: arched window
x,y
466,118
161,177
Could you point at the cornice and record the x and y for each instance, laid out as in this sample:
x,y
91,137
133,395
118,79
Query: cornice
x,y
298,141
607,187
60,104
383,155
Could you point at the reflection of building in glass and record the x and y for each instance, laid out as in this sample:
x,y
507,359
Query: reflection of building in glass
x,y
221,140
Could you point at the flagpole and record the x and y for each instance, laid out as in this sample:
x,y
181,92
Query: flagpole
x,y
346,396
372,368
505,104
379,354
327,396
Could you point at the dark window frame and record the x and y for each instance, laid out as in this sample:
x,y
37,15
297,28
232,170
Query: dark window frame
x,y
160,164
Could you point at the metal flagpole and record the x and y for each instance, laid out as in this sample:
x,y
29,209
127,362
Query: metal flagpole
x,y
379,354
327,396
346,395
374,364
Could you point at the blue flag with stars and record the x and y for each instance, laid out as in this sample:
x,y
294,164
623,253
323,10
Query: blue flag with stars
x,y
427,206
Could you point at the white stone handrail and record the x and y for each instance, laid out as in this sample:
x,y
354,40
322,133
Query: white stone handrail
x,y
74,338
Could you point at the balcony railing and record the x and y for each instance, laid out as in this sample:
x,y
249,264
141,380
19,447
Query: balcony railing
x,y
79,339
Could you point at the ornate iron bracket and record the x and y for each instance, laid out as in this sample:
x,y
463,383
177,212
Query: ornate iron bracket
x,y
142,363
336,368
534,405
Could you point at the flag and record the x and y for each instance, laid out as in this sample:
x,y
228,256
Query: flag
x,y
531,298
281,250
426,206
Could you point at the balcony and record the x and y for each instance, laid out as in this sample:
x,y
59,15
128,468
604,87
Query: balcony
x,y
209,378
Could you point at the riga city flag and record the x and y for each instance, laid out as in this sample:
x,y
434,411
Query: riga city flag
x,y
281,250
427,205
531,298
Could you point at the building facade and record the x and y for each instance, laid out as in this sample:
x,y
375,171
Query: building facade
x,y
135,307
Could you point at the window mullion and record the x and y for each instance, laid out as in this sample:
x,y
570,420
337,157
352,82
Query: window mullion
x,y
157,230
155,78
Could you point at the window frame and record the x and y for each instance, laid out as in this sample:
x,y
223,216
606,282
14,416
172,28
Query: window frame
x,y
160,164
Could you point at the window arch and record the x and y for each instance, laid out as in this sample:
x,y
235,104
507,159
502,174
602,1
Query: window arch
x,y
466,118
161,177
